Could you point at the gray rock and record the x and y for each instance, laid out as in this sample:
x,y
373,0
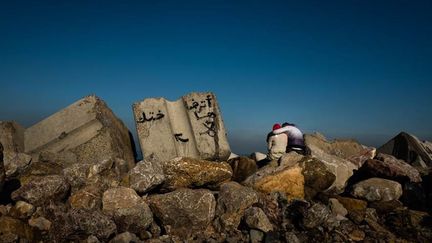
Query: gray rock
x,y
42,189
145,176
76,175
125,237
390,167
337,209
189,127
184,210
92,223
232,202
315,216
17,164
119,197
256,219
377,189
89,197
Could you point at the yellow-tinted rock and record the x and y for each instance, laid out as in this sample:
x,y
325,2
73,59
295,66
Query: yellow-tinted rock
x,y
17,227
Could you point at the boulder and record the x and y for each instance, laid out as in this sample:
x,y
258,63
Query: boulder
x,y
337,209
42,189
356,208
301,179
255,218
145,176
341,157
17,164
91,223
194,173
89,197
315,215
76,175
119,197
409,148
22,210
184,210
40,223
232,202
86,128
242,168
389,167
17,227
377,189
189,127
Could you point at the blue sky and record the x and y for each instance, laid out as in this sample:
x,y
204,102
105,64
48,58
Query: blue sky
x,y
360,69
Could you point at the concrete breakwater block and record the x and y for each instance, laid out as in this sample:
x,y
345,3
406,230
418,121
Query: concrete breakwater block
x,y
87,128
189,127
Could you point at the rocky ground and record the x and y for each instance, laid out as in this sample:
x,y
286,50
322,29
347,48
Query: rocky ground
x,y
342,192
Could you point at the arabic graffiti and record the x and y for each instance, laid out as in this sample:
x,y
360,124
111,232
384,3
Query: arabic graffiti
x,y
209,117
178,138
151,117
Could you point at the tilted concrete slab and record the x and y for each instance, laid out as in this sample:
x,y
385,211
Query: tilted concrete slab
x,y
87,128
12,138
189,127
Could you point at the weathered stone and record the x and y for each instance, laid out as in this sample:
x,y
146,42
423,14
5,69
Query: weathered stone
x,y
17,164
257,156
89,197
342,157
356,208
22,210
316,215
87,128
9,238
189,127
409,148
389,166
184,210
119,197
38,170
192,173
129,211
290,237
10,225
232,202
386,206
12,139
92,223
337,209
76,175
125,237
303,179
242,168
255,218
91,239
290,159
377,189
40,223
357,235
145,176
256,236
42,189
409,224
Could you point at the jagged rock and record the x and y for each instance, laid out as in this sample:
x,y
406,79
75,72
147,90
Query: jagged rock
x,y
290,159
256,236
188,172
316,215
242,168
17,164
145,176
184,210
42,189
410,224
303,180
341,157
189,127
86,128
13,226
92,223
22,210
125,237
129,211
39,170
11,138
389,167
377,189
337,209
356,208
386,206
409,148
232,202
40,223
255,218
76,175
89,197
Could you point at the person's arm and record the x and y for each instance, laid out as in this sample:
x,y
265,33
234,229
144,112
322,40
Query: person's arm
x,y
281,130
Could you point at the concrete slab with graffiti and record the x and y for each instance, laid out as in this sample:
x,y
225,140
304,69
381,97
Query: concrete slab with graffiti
x,y
86,128
191,126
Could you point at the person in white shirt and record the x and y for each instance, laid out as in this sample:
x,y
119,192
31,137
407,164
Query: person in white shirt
x,y
277,144
295,138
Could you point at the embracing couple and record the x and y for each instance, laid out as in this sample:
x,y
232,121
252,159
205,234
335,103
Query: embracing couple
x,y
284,139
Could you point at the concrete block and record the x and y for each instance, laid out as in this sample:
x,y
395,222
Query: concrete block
x,y
189,127
87,128
12,138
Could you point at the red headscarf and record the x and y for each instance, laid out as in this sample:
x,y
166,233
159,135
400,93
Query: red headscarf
x,y
276,126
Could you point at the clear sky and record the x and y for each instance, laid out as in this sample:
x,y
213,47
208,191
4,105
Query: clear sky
x,y
360,69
